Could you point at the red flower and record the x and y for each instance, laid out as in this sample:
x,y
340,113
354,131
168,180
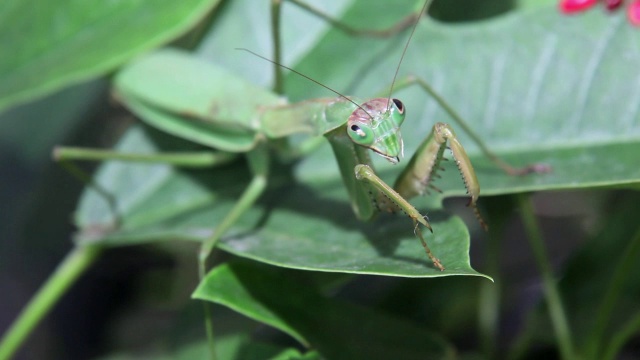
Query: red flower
x,y
576,6
633,13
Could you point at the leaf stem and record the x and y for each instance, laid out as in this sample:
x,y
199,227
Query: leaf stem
x,y
73,265
500,211
621,337
489,304
621,274
552,296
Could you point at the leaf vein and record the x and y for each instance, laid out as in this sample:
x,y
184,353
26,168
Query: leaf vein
x,y
538,75
588,79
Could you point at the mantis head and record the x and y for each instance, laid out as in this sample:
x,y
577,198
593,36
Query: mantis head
x,y
376,126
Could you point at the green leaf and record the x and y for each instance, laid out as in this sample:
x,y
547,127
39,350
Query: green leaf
x,y
335,329
62,110
294,226
238,346
49,45
526,78
535,85
536,3
147,193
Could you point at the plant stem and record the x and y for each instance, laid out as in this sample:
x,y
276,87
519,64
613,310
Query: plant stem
x,y
621,274
489,302
552,296
73,265
208,325
621,337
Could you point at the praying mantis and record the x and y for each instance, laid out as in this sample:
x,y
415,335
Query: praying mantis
x,y
244,118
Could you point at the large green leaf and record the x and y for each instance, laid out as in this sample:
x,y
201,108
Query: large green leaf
x,y
294,226
535,85
47,45
543,87
337,330
237,346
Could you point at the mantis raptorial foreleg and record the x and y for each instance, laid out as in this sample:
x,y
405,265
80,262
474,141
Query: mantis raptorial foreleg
x,y
365,173
418,175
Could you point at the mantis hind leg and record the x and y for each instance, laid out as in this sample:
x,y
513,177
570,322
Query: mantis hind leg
x,y
462,124
404,23
276,6
258,159
68,156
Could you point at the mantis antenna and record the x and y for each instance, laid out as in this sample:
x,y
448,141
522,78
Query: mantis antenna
x,y
406,46
308,78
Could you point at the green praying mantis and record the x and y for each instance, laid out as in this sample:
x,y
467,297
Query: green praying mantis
x,y
244,118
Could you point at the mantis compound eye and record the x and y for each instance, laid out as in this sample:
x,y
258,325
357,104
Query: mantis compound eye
x,y
356,129
399,105
361,134
397,112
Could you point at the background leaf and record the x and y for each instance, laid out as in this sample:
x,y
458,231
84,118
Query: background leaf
x,y
528,91
585,286
535,85
66,42
293,225
335,329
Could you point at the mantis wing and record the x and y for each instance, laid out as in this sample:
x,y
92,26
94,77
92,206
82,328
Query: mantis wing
x,y
193,99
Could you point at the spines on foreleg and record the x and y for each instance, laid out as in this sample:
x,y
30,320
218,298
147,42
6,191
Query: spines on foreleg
x,y
426,162
464,166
